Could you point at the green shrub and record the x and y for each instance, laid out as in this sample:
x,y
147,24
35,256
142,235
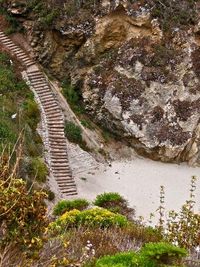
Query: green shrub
x,y
73,132
115,203
73,97
67,205
101,217
152,255
4,59
70,93
162,253
50,195
32,113
125,259
48,19
102,199
5,131
95,217
38,169
7,80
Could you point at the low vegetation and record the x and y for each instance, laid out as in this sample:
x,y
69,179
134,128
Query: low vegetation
x,y
73,132
181,228
73,97
67,205
115,203
19,117
94,217
87,237
22,213
38,169
151,255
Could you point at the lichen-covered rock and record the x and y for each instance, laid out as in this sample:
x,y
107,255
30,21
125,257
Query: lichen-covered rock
x,y
150,91
137,64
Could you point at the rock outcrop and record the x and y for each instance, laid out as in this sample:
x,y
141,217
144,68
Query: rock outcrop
x,y
136,64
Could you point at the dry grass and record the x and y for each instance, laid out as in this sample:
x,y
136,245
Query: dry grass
x,y
71,245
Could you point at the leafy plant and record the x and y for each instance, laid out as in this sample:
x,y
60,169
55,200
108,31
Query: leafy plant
x,y
48,18
152,255
50,194
95,217
38,169
32,113
22,213
5,131
73,132
67,205
124,259
163,253
115,203
73,96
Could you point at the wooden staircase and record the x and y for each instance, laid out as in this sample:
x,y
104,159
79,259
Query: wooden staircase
x,y
55,140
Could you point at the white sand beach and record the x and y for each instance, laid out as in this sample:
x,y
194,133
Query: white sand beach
x,y
139,181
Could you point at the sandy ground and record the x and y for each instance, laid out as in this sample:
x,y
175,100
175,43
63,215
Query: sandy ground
x,y
139,181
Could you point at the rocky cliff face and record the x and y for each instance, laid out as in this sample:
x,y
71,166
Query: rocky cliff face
x,y
137,64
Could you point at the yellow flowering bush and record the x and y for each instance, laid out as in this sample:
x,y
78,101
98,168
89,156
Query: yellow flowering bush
x,y
101,217
92,217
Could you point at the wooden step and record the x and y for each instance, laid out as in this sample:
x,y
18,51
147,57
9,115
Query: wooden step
x,y
41,82
60,159
70,191
60,152
47,92
68,179
36,76
41,89
52,108
54,123
66,184
60,175
49,100
65,178
60,169
61,163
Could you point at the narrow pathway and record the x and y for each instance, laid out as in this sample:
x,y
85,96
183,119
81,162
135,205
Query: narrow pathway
x,y
52,118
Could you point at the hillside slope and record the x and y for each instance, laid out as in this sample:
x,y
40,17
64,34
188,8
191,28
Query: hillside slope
x,y
135,63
